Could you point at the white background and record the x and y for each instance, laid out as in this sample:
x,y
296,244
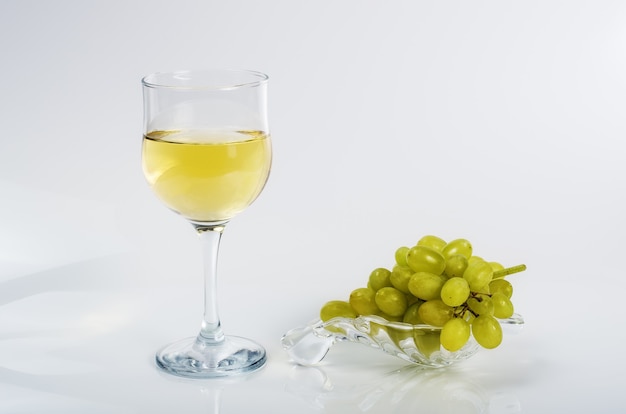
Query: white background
x,y
498,121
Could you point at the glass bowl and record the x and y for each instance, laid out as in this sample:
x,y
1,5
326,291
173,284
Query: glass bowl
x,y
418,344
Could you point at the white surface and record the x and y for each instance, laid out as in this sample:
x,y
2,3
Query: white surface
x,y
499,121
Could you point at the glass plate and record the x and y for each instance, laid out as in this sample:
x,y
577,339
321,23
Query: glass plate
x,y
418,344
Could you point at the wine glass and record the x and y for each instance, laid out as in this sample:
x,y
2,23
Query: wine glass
x,y
207,155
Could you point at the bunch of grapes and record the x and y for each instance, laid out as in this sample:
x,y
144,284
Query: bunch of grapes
x,y
437,283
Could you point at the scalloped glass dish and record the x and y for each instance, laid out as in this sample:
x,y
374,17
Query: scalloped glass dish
x,y
418,344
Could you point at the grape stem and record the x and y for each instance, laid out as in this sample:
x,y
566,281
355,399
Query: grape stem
x,y
460,311
499,274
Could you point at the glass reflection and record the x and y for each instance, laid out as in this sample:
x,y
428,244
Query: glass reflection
x,y
406,389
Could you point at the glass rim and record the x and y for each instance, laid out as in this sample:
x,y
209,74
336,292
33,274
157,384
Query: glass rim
x,y
205,79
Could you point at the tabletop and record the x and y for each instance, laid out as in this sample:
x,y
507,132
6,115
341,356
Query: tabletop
x,y
499,122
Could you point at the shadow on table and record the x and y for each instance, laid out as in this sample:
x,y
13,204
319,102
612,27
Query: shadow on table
x,y
85,368
103,273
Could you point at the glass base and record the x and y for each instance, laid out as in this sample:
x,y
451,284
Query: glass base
x,y
196,358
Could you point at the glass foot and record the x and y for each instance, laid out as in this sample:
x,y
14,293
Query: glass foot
x,y
195,358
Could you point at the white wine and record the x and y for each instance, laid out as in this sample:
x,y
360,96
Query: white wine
x,y
207,176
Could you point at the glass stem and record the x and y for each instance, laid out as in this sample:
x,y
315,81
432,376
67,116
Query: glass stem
x,y
210,235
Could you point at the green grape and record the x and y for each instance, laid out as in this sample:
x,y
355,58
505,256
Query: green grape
x,y
435,312
455,266
398,336
474,259
411,299
390,318
376,329
412,316
502,306
400,277
433,242
478,275
455,334
438,284
391,301
379,278
481,305
427,342
468,316
363,302
425,259
426,286
496,266
501,286
483,290
455,291
458,246
487,331
335,309
400,255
